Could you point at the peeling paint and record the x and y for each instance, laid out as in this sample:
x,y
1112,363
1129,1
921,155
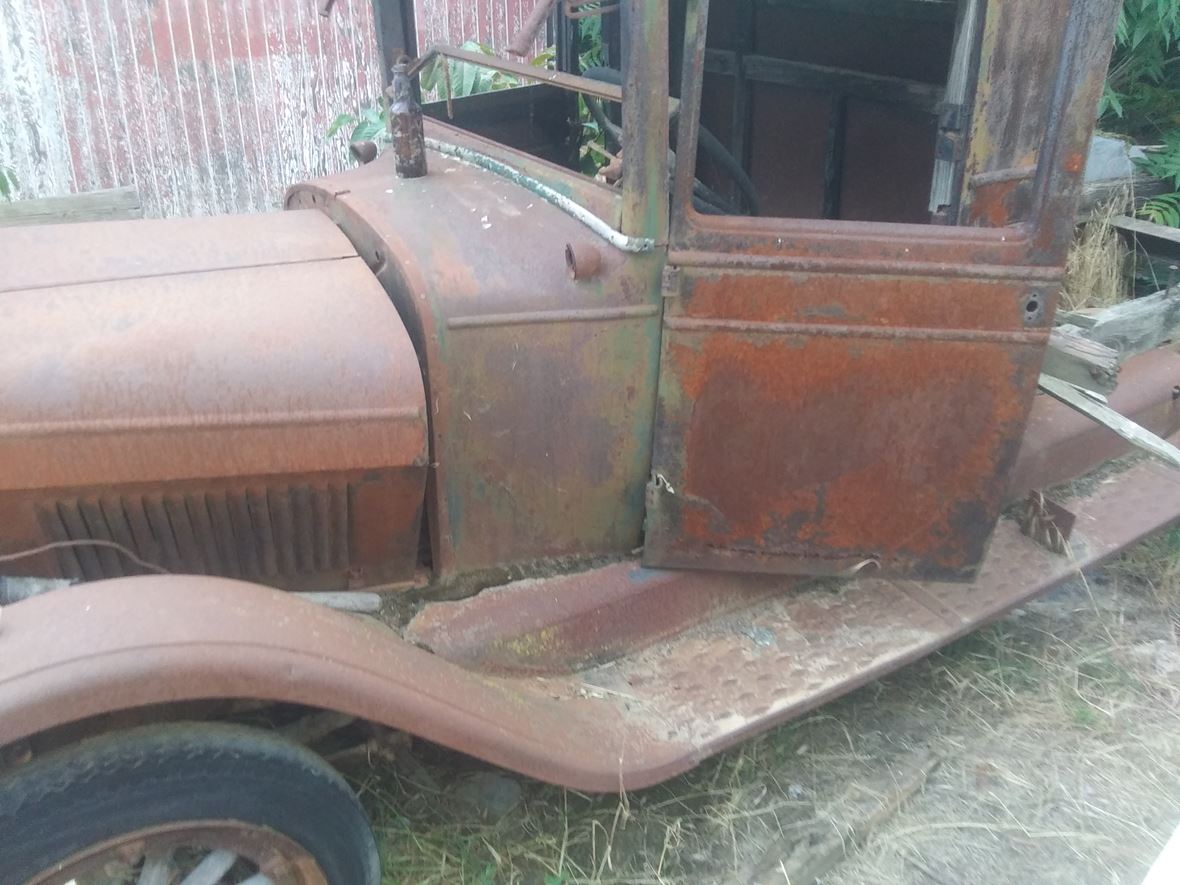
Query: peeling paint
x,y
205,106
490,22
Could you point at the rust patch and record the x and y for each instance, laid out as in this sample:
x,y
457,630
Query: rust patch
x,y
795,443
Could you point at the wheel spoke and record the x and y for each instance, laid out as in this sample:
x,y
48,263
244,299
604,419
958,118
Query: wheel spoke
x,y
157,870
209,871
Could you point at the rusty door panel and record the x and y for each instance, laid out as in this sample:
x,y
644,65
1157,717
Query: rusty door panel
x,y
839,396
816,423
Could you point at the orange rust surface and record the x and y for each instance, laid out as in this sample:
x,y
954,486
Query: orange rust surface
x,y
811,419
167,365
855,299
540,387
1001,203
625,725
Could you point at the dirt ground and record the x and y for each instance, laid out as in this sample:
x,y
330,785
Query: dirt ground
x,y
1057,736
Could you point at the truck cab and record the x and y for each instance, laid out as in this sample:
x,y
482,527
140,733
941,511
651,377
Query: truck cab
x,y
746,396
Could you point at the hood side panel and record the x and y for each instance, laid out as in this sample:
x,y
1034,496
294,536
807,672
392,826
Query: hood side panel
x,y
228,403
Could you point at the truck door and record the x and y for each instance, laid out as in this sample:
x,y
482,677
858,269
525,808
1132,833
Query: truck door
x,y
847,367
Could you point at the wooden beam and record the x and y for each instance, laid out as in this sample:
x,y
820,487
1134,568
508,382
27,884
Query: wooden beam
x,y
1134,326
1084,363
1147,229
104,205
1081,401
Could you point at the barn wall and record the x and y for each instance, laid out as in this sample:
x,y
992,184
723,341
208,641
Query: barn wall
x,y
206,106
491,22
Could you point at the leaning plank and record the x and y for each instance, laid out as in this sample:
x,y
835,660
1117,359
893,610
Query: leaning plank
x,y
811,853
112,204
1080,361
1138,325
1141,228
1105,415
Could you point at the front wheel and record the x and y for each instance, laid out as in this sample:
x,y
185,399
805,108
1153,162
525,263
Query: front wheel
x,y
185,804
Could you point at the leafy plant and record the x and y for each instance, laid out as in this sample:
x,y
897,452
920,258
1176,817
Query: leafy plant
x,y
371,123
466,78
472,79
590,45
8,182
1163,162
1164,209
592,152
368,124
1142,97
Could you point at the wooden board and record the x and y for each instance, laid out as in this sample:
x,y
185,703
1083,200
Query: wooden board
x,y
1105,415
1141,228
103,205
1133,326
1081,361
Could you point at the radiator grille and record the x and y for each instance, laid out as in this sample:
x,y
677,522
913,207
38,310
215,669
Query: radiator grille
x,y
254,533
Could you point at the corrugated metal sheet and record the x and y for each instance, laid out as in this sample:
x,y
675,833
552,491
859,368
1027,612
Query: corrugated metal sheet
x,y
206,106
491,22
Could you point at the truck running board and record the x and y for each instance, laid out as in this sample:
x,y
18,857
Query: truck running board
x,y
743,671
623,677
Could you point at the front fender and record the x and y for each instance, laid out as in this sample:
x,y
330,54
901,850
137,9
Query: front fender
x,y
115,645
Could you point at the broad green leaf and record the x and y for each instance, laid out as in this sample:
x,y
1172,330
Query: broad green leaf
x,y
468,77
1164,209
339,123
367,130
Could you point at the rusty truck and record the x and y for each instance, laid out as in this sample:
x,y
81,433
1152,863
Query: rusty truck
x,y
635,468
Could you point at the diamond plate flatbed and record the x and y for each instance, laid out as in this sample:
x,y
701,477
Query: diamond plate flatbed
x,y
680,700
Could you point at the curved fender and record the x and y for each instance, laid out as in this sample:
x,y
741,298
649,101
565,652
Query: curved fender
x,y
114,645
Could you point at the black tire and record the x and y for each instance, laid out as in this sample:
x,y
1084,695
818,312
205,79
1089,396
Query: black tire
x,y
78,797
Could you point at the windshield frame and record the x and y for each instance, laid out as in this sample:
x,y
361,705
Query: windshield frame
x,y
644,191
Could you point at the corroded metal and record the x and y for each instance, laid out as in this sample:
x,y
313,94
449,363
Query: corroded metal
x,y
595,88
815,421
632,723
540,387
241,397
405,126
211,846
583,260
363,151
252,407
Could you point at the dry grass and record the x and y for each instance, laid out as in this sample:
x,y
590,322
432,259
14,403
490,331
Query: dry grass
x,y
1057,730
1097,269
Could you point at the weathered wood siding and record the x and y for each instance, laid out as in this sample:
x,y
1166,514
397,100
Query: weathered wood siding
x,y
205,106
491,22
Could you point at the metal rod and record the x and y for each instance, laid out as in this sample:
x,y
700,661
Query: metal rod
x,y
546,193
584,85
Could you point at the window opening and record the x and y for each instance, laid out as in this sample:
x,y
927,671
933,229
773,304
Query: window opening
x,y
502,92
854,110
